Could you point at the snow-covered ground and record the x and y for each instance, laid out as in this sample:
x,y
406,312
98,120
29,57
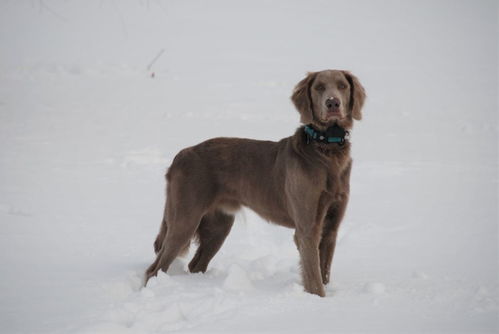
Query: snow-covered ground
x,y
86,135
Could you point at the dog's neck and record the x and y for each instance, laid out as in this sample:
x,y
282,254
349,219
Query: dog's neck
x,y
333,135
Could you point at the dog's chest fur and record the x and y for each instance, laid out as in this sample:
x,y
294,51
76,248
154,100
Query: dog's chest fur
x,y
336,171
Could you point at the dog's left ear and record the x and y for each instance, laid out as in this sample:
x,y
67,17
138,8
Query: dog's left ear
x,y
357,95
302,100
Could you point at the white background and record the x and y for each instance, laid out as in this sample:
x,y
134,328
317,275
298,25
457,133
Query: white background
x,y
86,136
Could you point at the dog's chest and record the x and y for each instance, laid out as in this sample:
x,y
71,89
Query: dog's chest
x,y
337,178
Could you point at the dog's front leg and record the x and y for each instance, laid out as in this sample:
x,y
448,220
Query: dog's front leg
x,y
308,247
332,221
329,234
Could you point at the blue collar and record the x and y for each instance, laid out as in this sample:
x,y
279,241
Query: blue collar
x,y
333,134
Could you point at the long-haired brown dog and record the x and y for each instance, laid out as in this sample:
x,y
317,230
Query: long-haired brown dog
x,y
301,182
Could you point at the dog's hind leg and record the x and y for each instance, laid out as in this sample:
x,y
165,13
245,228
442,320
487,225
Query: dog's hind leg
x,y
176,240
212,232
158,243
182,218
190,194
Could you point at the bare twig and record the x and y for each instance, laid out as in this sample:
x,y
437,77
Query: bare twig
x,y
155,59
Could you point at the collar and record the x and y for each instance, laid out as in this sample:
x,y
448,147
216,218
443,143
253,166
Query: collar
x,y
333,134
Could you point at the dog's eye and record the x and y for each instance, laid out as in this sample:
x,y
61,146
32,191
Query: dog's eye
x,y
342,85
320,88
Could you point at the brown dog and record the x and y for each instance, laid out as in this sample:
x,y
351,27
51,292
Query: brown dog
x,y
301,182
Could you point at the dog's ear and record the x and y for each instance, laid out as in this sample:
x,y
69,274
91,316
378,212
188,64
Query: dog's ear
x,y
302,99
357,95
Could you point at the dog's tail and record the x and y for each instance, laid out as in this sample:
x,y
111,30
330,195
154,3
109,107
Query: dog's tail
x,y
163,229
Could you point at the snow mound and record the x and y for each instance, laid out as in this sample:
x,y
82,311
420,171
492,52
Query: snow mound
x,y
237,279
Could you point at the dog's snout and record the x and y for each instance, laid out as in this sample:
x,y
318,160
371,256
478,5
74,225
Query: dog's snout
x,y
333,103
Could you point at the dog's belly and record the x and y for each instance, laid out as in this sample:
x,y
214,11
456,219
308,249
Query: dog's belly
x,y
276,217
270,213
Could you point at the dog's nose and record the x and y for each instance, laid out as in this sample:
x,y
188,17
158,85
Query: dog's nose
x,y
333,103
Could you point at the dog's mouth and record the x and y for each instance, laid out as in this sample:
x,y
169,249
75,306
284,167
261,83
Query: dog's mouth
x,y
332,115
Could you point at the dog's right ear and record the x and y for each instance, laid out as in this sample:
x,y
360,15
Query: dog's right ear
x,y
302,99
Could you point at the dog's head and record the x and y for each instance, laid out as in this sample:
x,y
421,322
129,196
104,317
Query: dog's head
x,y
328,97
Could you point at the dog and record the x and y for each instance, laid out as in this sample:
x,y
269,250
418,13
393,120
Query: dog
x,y
300,182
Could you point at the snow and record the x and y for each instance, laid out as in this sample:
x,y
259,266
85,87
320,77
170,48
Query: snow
x,y
86,135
